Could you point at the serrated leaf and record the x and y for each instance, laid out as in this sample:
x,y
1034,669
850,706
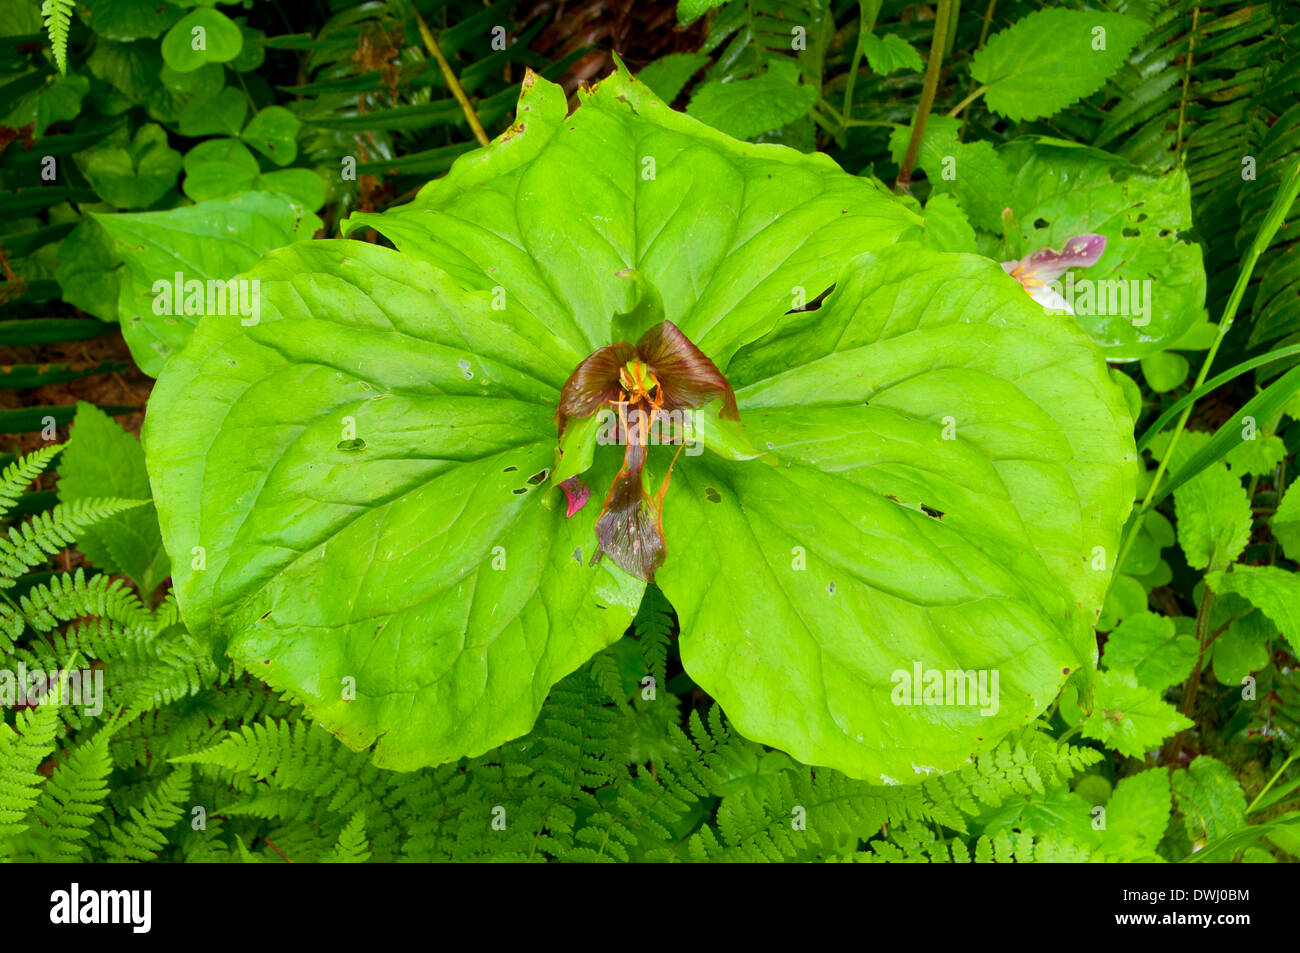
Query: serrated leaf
x,y
1275,592
1209,799
1129,717
946,227
1285,524
1147,645
1052,58
1258,456
1214,517
972,171
888,53
1137,814
744,108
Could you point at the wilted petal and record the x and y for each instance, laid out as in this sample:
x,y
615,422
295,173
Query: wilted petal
x,y
593,384
577,493
1045,264
689,380
628,529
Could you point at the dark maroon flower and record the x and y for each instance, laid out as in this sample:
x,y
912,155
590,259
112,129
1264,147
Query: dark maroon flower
x,y
664,373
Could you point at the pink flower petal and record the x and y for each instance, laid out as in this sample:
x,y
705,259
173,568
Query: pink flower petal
x,y
577,494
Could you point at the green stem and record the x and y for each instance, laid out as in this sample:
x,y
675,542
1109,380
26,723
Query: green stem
x,y
988,22
1273,780
927,96
869,10
1213,383
951,39
976,94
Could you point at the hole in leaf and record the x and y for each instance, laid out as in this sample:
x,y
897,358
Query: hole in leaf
x,y
712,495
1041,223
510,469
1130,233
538,477
520,491
931,511
350,445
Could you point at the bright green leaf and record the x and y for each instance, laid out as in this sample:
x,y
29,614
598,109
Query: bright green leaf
x,y
1130,718
202,36
195,243
1051,58
273,132
889,53
102,459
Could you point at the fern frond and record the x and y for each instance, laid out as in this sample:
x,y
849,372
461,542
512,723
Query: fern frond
x,y
74,796
58,15
654,627
18,476
45,534
352,846
22,749
141,837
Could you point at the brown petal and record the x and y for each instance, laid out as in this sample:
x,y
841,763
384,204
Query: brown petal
x,y
688,378
628,529
593,384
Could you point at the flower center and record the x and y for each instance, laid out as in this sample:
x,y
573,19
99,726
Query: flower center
x,y
1026,278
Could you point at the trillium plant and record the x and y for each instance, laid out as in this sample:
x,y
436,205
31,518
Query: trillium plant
x,y
382,497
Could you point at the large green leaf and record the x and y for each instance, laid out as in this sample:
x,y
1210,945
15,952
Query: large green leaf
x,y
730,232
210,242
950,461
353,488
356,472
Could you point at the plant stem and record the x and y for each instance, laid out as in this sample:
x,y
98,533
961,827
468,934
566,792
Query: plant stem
x,y
976,94
452,82
988,21
1187,78
1194,682
951,38
869,10
927,96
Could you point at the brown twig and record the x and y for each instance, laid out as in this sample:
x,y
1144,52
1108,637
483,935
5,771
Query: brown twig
x,y
452,83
